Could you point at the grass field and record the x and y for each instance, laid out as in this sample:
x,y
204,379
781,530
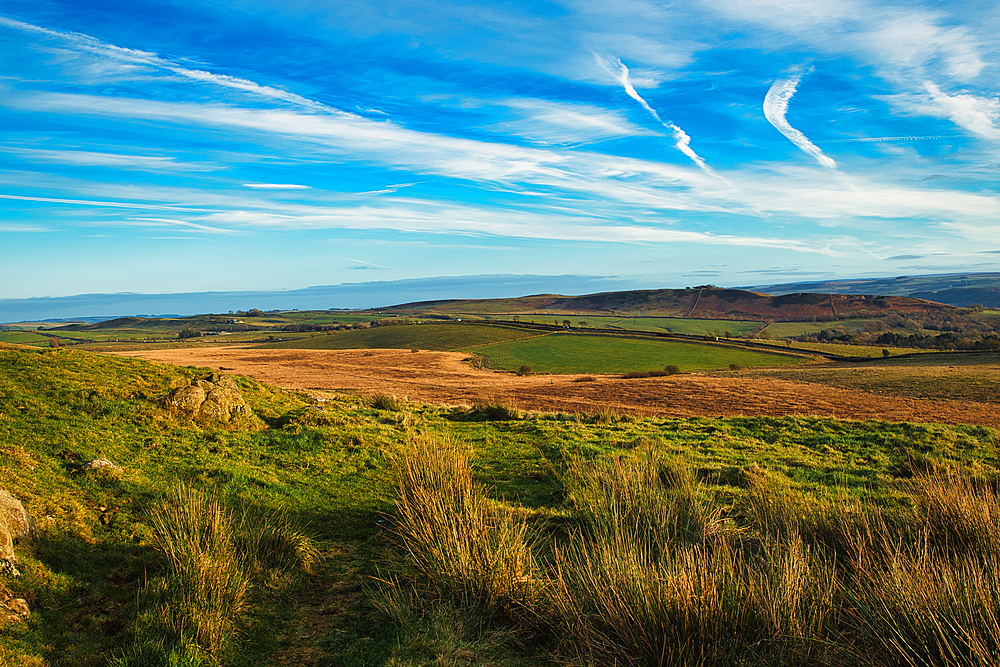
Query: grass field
x,y
104,588
685,326
23,338
581,353
438,337
790,329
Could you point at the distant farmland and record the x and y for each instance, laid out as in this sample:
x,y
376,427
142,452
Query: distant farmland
x,y
435,337
582,353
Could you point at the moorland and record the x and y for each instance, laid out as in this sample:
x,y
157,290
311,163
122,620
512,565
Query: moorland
x,y
673,477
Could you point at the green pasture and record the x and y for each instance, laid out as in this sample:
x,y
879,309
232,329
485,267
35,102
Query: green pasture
x,y
791,329
23,338
581,353
441,337
685,326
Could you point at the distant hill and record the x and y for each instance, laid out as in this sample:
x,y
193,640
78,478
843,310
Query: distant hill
x,y
707,302
956,289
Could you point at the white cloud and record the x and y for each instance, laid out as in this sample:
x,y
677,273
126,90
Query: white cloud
x,y
978,115
108,204
681,138
550,122
113,160
131,58
900,41
775,109
275,186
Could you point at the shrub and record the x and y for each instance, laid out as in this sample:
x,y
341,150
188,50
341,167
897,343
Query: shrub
x,y
672,369
585,378
733,367
525,369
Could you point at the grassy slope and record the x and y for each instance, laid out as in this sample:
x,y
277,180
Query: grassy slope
x,y
439,337
684,326
328,466
580,353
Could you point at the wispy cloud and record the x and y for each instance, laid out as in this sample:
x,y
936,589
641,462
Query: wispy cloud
x,y
775,109
389,189
88,44
364,266
549,122
683,141
100,159
166,222
975,114
275,186
109,204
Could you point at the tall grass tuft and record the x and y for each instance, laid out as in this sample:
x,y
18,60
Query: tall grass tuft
x,y
208,584
929,593
465,545
215,553
655,577
387,402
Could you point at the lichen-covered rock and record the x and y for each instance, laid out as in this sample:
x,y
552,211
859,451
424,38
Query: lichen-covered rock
x,y
13,610
216,397
99,464
15,523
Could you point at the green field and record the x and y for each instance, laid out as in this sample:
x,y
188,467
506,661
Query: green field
x,y
23,338
439,337
685,326
582,353
679,325
791,329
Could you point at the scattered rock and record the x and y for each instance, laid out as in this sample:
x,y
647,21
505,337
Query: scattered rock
x,y
13,610
98,464
215,397
15,523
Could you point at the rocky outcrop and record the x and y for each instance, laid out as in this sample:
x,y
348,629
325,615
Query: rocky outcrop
x,y
215,397
15,524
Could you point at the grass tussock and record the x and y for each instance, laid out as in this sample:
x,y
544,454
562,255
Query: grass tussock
x,y
214,555
387,403
658,568
489,409
465,545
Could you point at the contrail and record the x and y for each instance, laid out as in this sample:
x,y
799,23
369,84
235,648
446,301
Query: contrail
x,y
90,44
683,141
775,108
870,140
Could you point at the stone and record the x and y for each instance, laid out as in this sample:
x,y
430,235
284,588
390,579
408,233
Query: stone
x,y
15,523
215,397
98,464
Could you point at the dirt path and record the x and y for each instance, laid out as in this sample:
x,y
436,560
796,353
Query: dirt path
x,y
443,378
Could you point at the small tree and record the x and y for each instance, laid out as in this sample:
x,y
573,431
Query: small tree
x,y
672,369
525,369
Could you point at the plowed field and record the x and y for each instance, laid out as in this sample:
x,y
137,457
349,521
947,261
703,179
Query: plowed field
x,y
444,378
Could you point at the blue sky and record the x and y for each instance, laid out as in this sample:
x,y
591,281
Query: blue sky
x,y
252,145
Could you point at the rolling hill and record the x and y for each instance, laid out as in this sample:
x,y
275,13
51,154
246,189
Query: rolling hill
x,y
707,302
